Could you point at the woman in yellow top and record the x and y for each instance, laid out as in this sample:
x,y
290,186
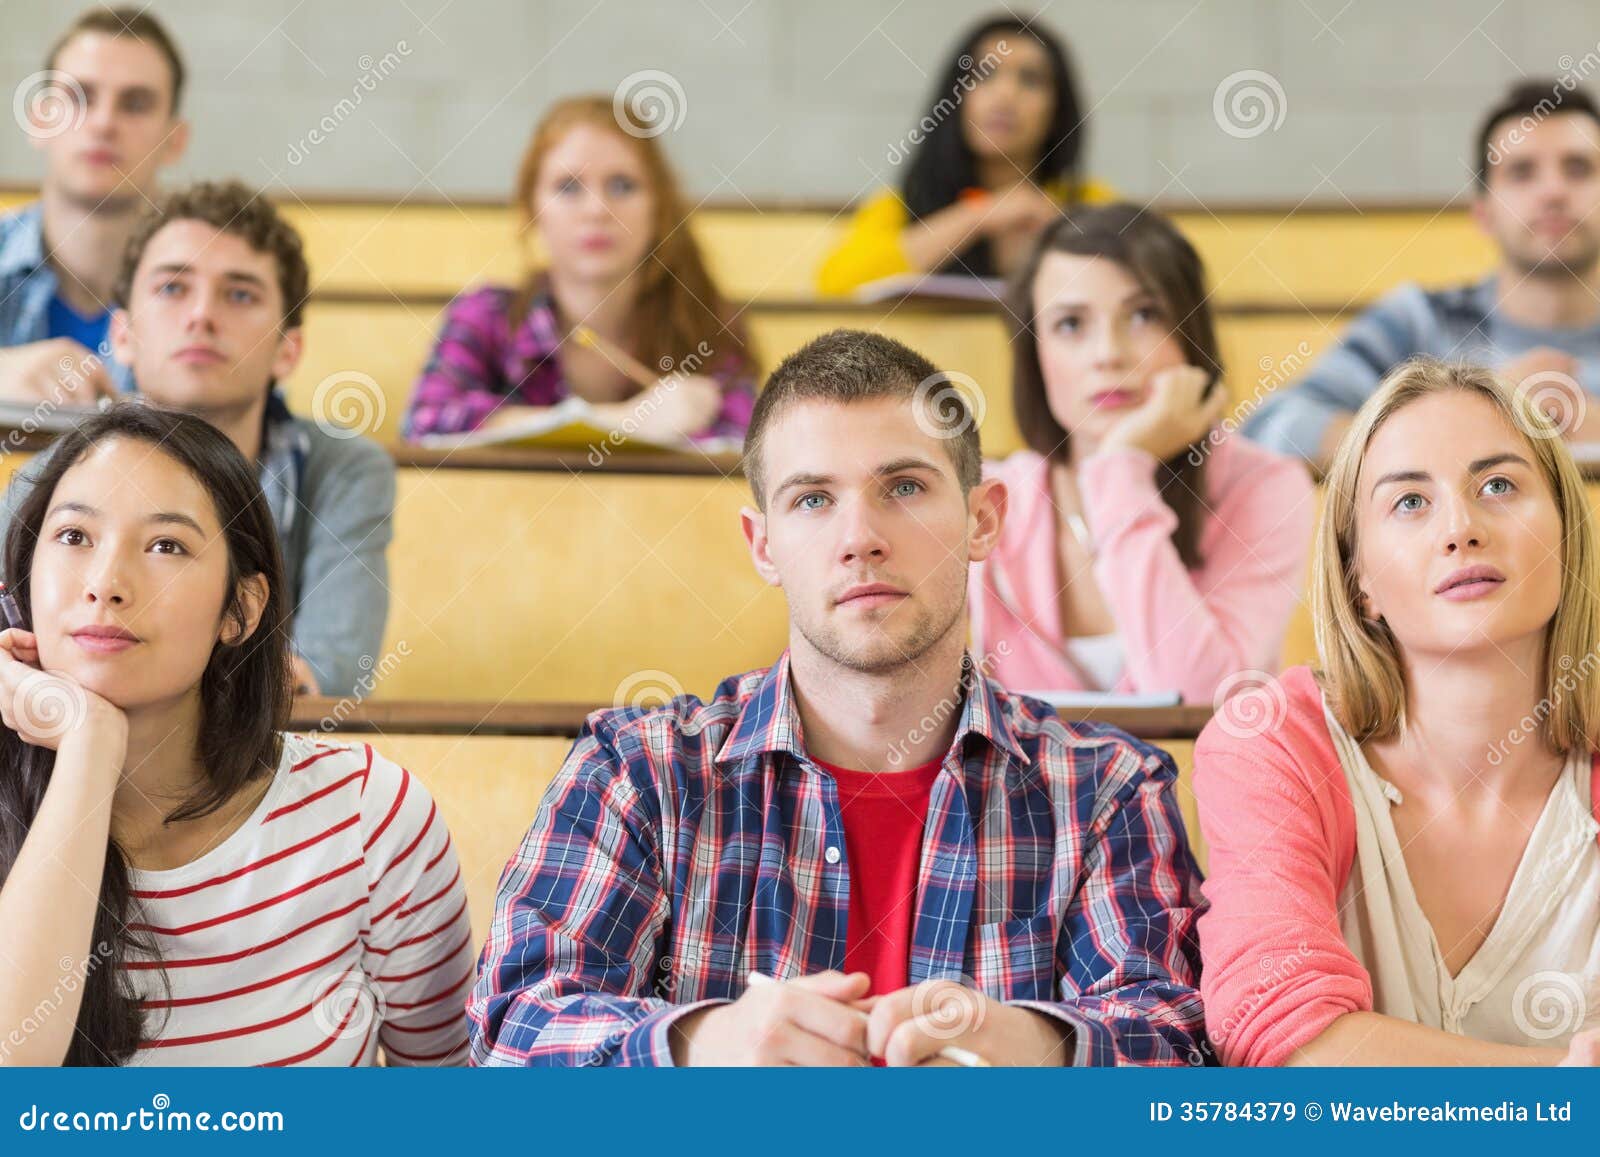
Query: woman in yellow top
x,y
994,159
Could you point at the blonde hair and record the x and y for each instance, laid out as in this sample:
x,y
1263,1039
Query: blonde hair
x,y
1361,672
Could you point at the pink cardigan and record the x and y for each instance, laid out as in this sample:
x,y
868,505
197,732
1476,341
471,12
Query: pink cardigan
x,y
1276,811
1184,630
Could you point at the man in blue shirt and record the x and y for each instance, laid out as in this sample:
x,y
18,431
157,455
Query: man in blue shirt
x,y
105,115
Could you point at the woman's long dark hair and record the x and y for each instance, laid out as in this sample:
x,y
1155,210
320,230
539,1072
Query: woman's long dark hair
x,y
244,691
1161,260
943,165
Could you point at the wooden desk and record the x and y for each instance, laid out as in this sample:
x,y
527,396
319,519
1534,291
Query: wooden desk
x,y
567,461
488,765
666,462
443,717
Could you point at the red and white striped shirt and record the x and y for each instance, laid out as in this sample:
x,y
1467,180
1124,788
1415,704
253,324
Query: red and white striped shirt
x,y
334,920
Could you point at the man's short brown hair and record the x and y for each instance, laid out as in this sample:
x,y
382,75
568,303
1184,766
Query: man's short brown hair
x,y
852,365
234,208
131,22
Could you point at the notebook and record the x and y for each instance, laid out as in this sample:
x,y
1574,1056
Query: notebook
x,y
42,417
1085,700
571,425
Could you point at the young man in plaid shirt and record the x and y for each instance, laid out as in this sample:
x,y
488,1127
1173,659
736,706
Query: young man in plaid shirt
x,y
917,858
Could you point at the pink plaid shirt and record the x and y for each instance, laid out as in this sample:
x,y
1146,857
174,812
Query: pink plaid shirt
x,y
480,363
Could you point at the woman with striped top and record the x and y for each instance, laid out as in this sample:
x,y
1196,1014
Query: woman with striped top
x,y
180,881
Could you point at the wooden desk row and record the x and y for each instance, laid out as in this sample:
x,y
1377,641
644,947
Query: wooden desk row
x,y
1321,257
544,579
1272,258
362,357
543,719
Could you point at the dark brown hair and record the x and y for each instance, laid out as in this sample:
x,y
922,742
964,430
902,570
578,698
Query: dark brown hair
x,y
1529,100
233,208
679,307
1161,260
131,22
244,690
853,365
943,166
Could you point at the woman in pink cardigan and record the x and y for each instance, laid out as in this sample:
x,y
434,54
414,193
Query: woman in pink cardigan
x,y
1404,858
1143,550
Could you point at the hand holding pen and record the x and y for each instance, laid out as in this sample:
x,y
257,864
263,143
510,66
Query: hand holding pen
x,y
955,1054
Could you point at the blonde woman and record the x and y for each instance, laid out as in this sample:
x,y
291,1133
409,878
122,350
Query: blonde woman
x,y
1404,858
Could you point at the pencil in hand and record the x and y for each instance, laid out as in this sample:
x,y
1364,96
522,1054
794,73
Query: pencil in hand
x,y
620,358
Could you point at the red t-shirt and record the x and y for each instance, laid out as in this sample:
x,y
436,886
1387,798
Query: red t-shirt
x,y
884,814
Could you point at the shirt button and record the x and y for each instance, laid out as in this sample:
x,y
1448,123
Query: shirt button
x,y
831,855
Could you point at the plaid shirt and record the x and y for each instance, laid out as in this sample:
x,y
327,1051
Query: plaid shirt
x,y
28,282
682,847
481,361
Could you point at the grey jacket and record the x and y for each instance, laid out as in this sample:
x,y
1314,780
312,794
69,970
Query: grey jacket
x,y
1456,323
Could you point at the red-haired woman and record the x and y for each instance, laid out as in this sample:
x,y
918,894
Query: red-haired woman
x,y
621,263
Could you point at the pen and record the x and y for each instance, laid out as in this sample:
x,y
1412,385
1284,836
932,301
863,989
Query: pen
x,y
9,607
641,374
966,1058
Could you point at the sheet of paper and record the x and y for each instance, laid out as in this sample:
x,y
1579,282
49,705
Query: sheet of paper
x,y
951,286
41,417
1078,700
571,425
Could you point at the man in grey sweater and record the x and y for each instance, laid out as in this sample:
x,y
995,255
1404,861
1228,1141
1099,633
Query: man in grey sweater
x,y
1535,318
209,305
